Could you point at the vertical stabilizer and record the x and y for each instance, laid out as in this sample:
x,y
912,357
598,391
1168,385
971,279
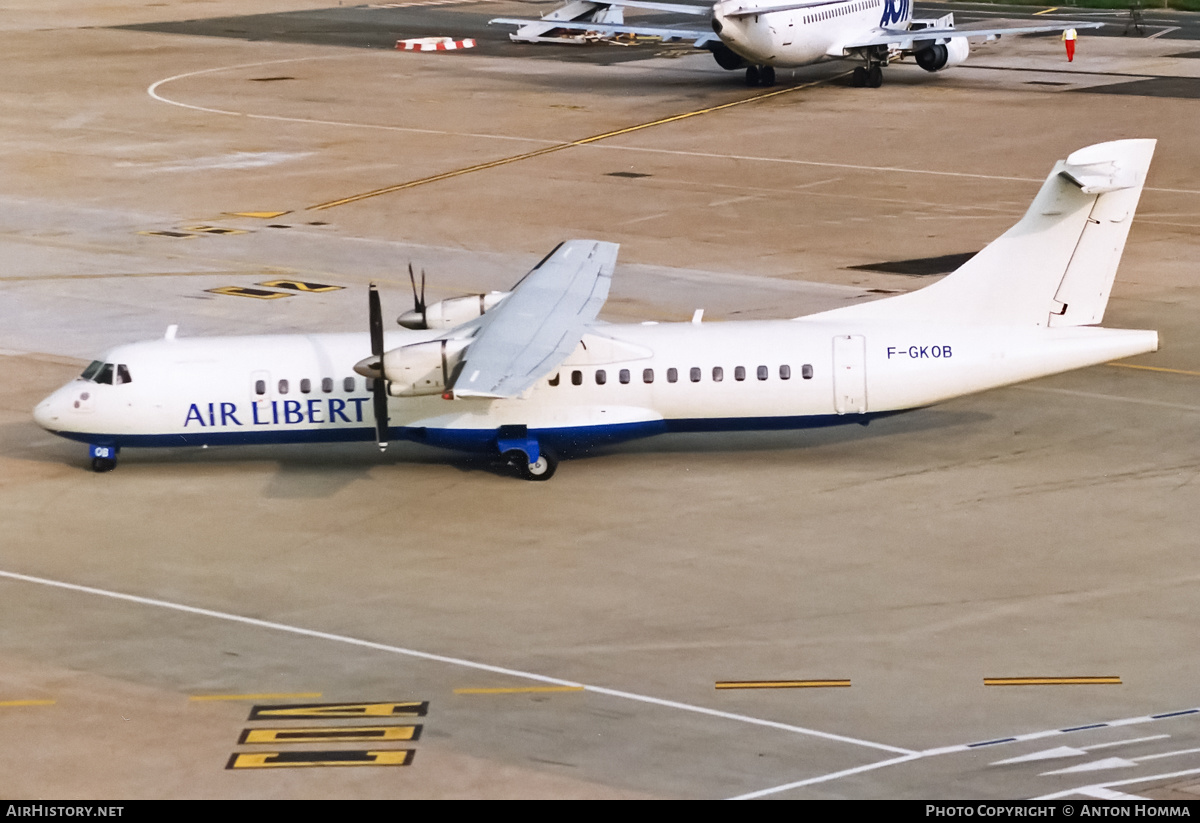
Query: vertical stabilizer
x,y
1053,268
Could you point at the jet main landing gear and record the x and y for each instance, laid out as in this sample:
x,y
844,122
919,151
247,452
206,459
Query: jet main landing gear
x,y
760,76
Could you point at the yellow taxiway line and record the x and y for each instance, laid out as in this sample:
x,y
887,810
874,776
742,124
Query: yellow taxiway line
x,y
781,684
354,198
7,703
1154,368
1108,680
521,690
254,696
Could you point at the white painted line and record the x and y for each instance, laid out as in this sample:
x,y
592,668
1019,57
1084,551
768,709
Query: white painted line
x,y
827,777
1167,30
1165,754
1097,396
453,661
1090,790
1112,743
1109,794
153,91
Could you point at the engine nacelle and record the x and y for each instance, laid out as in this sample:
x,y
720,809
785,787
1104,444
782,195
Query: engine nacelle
x,y
938,57
450,313
726,57
422,368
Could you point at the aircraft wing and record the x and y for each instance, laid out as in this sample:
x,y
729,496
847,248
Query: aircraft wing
x,y
697,35
537,326
677,8
904,39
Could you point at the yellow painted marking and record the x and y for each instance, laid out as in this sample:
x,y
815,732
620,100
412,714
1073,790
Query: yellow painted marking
x,y
1154,368
4,703
215,230
242,291
521,690
299,285
1108,680
261,215
780,684
559,147
1045,11
329,710
334,734
277,760
297,696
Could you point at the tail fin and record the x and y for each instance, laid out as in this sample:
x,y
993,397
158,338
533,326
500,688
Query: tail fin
x,y
1053,268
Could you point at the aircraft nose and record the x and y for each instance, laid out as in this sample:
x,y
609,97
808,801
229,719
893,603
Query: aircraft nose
x,y
46,415
717,25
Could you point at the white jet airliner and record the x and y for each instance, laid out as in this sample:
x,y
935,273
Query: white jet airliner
x,y
528,373
762,35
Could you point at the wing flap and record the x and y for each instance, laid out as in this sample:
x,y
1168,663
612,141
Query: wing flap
x,y
540,323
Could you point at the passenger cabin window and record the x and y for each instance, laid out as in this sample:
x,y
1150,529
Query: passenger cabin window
x,y
806,371
260,387
647,375
369,384
694,374
348,384
327,384
624,376
763,372
601,377
553,381
785,372
305,386
283,387
739,373
718,374
577,378
672,375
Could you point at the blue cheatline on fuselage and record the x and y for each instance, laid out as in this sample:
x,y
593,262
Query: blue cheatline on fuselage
x,y
565,440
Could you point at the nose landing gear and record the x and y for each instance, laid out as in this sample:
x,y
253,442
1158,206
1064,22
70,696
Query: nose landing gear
x,y
104,458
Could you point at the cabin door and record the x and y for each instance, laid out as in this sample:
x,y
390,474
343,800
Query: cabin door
x,y
849,374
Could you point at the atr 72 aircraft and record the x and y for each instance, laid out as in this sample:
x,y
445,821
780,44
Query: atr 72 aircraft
x,y
525,374
762,35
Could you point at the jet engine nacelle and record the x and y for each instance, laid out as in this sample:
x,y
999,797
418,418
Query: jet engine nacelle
x,y
726,57
422,368
450,313
938,57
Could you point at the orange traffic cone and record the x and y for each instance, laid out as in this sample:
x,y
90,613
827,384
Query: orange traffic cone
x,y
1069,42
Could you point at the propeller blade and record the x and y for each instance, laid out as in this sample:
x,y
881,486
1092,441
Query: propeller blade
x,y
379,389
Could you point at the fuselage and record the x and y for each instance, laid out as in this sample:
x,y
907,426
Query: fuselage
x,y
623,381
801,37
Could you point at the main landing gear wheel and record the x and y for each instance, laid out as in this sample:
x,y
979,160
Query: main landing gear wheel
x,y
760,75
543,469
859,78
103,464
874,77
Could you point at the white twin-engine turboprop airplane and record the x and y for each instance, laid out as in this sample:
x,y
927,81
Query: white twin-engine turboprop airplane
x,y
762,35
526,374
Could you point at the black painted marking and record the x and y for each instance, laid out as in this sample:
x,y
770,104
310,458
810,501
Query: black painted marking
x,y
991,742
167,233
267,760
308,711
1192,54
277,226
299,285
920,266
269,79
1082,728
1174,714
243,291
1045,83
1184,88
632,175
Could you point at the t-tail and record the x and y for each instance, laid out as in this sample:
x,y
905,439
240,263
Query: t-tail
x,y
1031,300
